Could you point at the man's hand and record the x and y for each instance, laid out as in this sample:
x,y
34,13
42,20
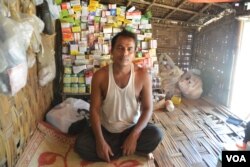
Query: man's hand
x,y
129,145
104,151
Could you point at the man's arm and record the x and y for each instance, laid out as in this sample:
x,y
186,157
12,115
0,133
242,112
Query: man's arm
x,y
103,149
129,145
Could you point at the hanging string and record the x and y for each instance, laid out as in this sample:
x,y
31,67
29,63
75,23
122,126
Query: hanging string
x,y
8,12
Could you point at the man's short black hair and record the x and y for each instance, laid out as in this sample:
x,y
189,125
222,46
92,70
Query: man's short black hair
x,y
123,33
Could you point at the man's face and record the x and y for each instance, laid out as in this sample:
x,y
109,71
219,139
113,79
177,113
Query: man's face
x,y
124,51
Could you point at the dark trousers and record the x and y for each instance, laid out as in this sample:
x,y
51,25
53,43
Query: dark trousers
x,y
85,144
247,133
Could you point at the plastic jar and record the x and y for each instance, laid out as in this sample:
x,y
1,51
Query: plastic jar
x,y
81,78
81,88
74,78
66,88
67,79
74,88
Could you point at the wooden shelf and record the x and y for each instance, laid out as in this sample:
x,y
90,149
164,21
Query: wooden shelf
x,y
83,96
75,94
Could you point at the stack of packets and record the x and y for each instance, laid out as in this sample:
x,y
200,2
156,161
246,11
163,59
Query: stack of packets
x,y
87,30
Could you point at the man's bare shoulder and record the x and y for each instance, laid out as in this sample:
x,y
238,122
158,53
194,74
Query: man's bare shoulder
x,y
102,72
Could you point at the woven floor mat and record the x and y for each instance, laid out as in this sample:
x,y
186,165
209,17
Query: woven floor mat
x,y
194,134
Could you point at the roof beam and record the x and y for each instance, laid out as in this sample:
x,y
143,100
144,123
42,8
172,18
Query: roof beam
x,y
177,7
169,7
153,2
174,22
221,5
128,3
201,11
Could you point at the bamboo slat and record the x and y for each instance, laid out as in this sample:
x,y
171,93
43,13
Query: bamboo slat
x,y
194,134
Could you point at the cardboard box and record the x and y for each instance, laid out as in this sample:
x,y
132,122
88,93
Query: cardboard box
x,y
133,15
105,49
153,44
77,8
111,19
91,28
107,36
113,12
152,52
65,5
91,19
77,36
66,30
71,11
85,11
144,45
140,37
76,29
65,25
116,30
148,35
75,3
67,37
112,6
98,12
107,29
104,20
73,49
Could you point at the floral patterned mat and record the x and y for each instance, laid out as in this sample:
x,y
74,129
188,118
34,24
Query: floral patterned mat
x,y
51,148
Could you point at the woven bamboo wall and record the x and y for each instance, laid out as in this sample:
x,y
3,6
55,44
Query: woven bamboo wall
x,y
176,42
214,51
18,117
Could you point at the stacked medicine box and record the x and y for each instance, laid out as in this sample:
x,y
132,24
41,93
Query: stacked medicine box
x,y
87,30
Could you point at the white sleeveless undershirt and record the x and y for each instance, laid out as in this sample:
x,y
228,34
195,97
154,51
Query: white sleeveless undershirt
x,y
120,109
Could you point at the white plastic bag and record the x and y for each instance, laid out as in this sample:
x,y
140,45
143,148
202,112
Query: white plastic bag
x,y
66,113
4,11
14,40
31,57
35,42
169,73
46,65
53,9
190,85
38,27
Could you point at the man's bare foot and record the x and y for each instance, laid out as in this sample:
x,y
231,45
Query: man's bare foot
x,y
241,146
150,156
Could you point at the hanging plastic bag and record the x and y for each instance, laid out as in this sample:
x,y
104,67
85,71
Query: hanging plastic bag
x,y
38,27
35,43
54,11
31,57
14,40
4,11
3,62
46,65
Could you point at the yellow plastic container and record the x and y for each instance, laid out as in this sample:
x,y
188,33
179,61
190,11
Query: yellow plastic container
x,y
176,99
